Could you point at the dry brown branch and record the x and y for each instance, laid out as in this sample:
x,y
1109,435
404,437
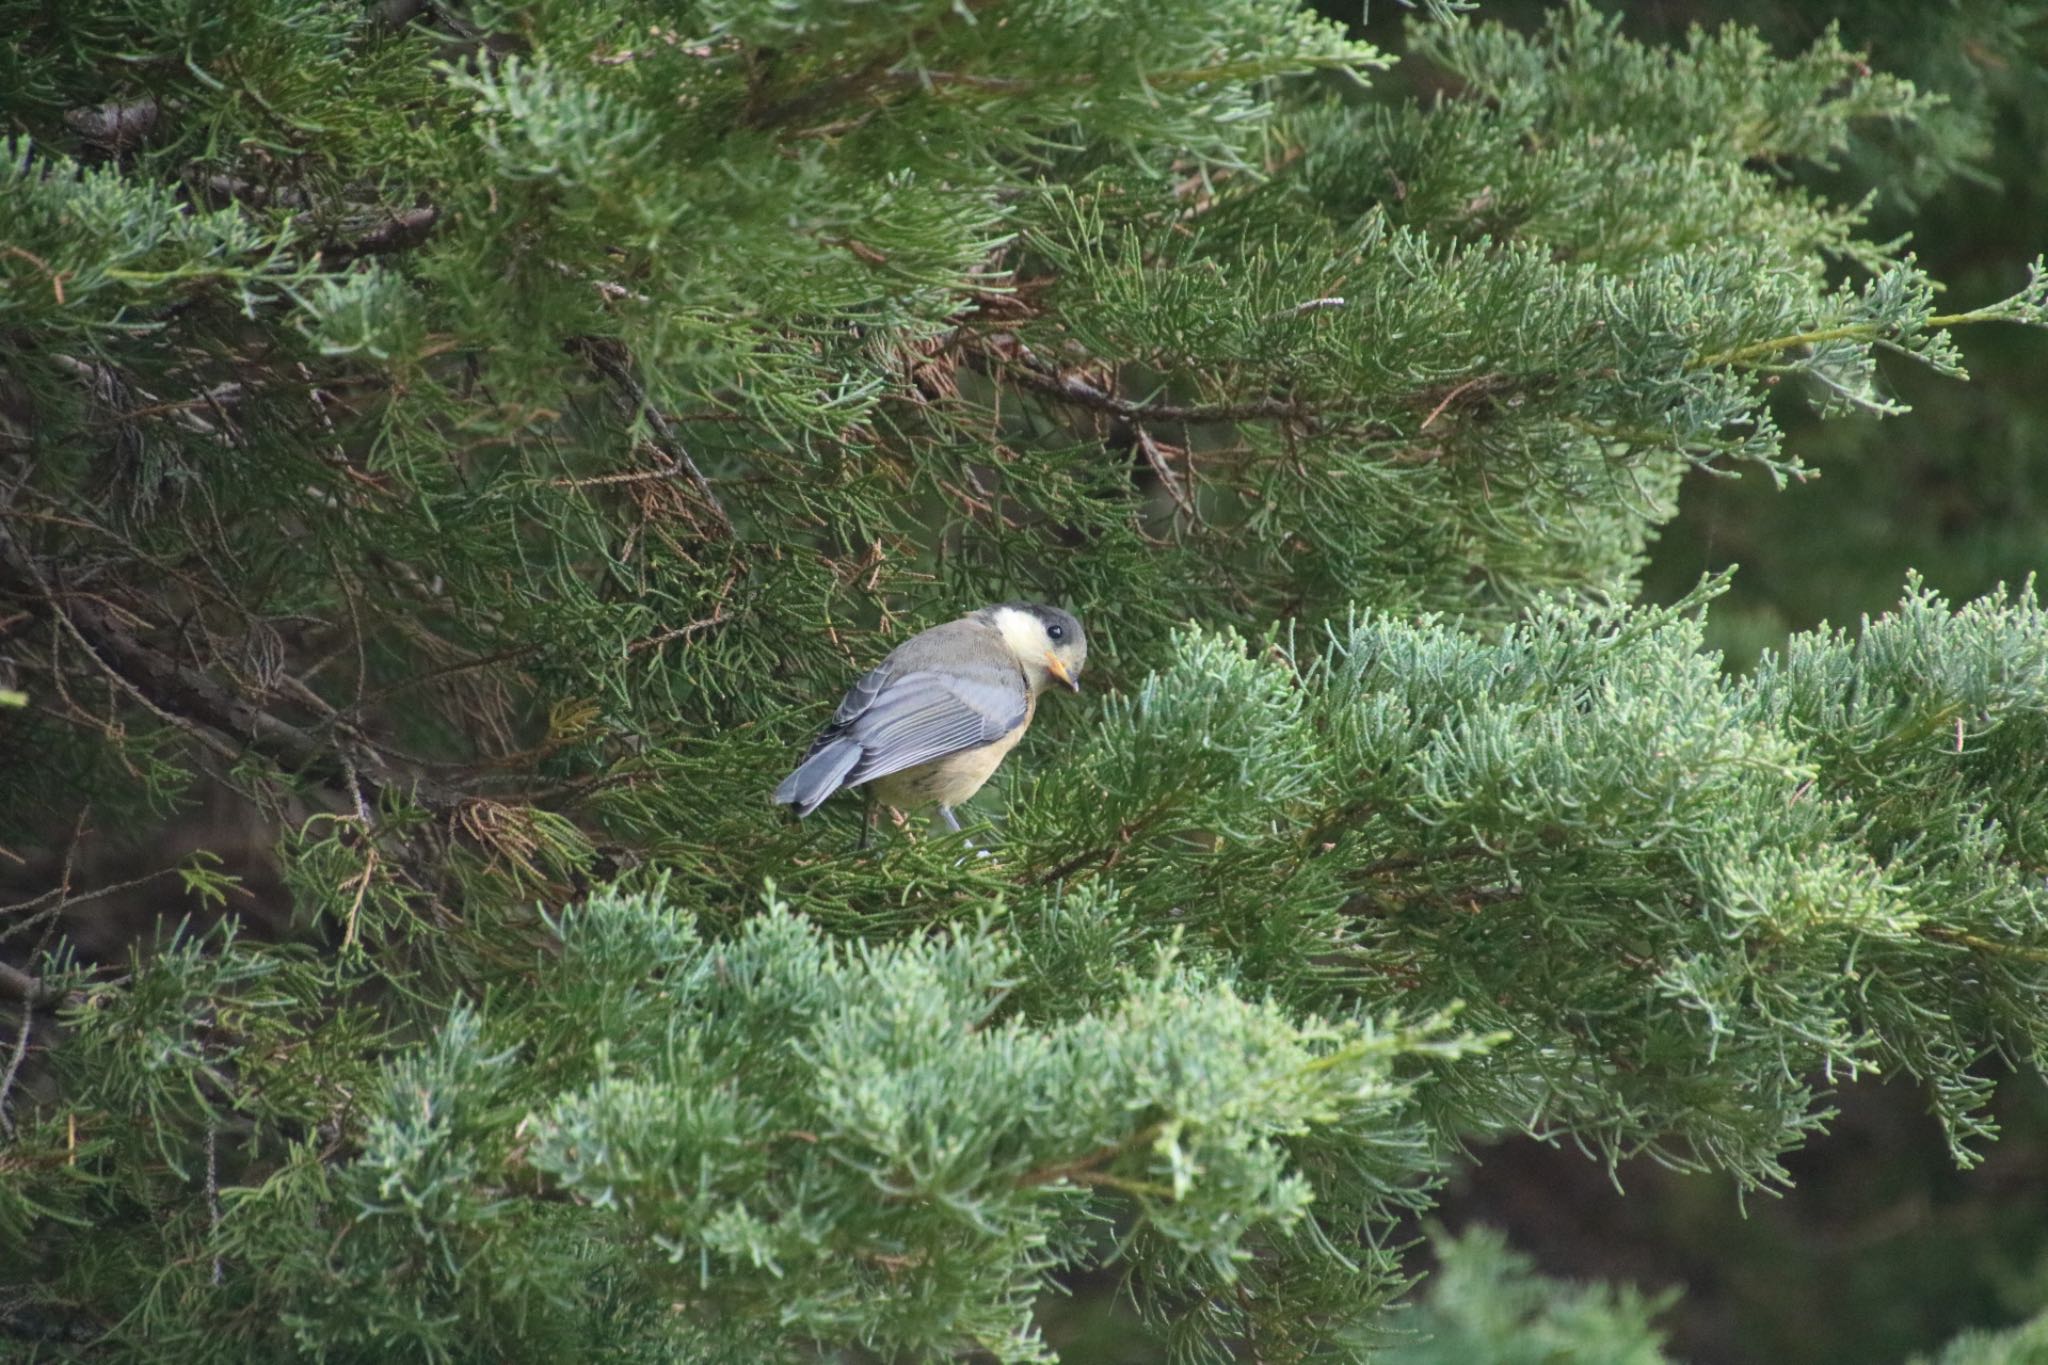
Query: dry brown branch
x,y
609,359
14,1061
1028,371
683,632
1155,455
394,232
188,699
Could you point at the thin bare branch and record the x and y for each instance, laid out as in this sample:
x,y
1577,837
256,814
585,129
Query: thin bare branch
x,y
610,360
14,1069
189,699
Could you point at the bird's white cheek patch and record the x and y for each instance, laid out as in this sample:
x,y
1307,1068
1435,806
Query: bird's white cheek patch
x,y
1022,632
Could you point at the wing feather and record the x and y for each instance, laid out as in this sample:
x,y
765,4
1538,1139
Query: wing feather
x,y
922,716
862,694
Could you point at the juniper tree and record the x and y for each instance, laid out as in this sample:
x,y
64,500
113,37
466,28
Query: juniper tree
x,y
481,439
1971,460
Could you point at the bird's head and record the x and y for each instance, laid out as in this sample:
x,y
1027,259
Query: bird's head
x,y
1049,643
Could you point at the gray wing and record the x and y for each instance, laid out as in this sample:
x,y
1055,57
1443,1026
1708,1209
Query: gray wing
x,y
837,751
917,716
857,700
863,693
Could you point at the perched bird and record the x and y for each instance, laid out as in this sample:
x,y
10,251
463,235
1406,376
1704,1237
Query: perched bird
x,y
931,722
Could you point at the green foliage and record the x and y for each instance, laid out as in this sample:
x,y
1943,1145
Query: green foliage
x,y
1956,490
1726,92
479,439
872,1151
802,1141
1485,1303
2023,1345
898,1142
1918,697
1446,819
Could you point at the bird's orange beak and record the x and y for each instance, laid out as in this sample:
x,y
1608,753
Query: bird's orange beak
x,y
1059,670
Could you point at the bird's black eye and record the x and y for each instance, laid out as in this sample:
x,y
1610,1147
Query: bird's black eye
x,y
1056,632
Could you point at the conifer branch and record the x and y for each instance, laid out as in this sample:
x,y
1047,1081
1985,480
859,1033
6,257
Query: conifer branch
x,y
189,699
29,989
610,360
1242,355
2026,306
1859,331
848,86
1942,933
1030,372
1087,1169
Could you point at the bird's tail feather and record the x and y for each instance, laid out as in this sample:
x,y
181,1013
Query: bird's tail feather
x,y
818,776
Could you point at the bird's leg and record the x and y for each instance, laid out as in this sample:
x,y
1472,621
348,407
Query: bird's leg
x,y
952,823
867,826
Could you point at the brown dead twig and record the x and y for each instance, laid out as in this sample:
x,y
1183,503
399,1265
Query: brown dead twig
x,y
1012,360
610,359
190,700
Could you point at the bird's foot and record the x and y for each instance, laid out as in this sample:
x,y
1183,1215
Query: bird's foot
x,y
953,823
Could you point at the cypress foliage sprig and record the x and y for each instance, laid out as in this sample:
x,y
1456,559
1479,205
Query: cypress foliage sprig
x,y
468,445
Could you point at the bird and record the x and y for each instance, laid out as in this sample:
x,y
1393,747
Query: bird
x,y
930,723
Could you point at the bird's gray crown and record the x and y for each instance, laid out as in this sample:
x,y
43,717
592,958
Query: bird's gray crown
x,y
1050,616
